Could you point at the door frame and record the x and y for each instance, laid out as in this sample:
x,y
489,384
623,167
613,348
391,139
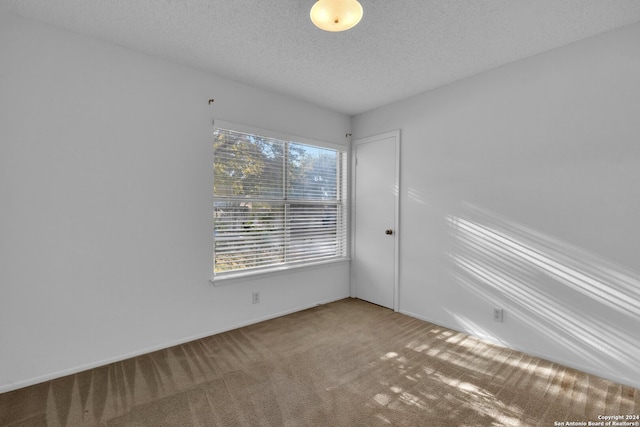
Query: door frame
x,y
396,226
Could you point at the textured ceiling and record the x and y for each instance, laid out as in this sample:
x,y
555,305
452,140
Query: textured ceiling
x,y
400,48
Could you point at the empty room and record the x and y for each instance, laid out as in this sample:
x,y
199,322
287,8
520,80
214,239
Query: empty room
x,y
319,213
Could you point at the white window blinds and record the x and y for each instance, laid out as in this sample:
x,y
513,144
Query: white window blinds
x,y
276,202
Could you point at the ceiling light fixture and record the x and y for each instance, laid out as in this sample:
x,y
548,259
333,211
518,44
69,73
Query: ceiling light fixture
x,y
336,15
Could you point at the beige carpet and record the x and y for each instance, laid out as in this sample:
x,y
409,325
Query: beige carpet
x,y
347,363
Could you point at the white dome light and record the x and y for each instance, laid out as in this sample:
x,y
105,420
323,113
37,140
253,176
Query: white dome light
x,y
336,15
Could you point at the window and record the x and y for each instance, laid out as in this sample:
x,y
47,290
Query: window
x,y
277,202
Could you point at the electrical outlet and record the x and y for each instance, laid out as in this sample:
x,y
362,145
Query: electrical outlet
x,y
255,297
498,314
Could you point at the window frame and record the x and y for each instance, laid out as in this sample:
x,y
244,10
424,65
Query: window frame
x,y
227,277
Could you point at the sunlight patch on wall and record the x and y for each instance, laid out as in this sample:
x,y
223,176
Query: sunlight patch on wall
x,y
584,303
416,196
618,291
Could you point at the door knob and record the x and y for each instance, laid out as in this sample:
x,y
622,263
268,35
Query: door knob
x,y
389,232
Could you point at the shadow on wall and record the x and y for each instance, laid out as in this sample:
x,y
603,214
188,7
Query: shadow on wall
x,y
575,300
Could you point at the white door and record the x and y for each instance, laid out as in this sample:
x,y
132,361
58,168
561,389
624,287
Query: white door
x,y
375,219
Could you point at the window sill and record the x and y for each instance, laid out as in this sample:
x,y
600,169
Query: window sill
x,y
231,278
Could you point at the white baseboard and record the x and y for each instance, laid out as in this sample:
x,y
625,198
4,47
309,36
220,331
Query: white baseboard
x,y
59,374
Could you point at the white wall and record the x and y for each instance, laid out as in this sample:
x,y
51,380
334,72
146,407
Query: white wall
x,y
519,189
105,193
